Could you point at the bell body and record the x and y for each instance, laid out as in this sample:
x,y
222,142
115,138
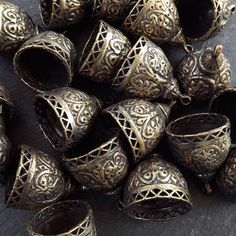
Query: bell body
x,y
147,73
156,190
158,20
143,124
200,142
62,13
105,50
39,181
205,72
103,168
65,115
53,220
15,28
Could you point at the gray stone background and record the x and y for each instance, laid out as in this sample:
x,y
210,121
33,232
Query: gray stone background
x,y
211,215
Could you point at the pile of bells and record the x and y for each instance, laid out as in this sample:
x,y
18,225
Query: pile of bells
x,y
110,144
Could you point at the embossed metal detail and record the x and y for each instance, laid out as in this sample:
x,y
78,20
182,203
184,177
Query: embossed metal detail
x,y
74,112
39,181
15,27
103,168
62,13
158,20
147,73
156,190
200,142
85,227
103,53
142,122
205,72
51,43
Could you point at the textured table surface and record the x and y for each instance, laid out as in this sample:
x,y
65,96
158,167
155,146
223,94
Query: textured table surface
x,y
211,215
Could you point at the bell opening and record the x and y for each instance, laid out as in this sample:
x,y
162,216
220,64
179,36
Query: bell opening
x,y
196,124
90,43
196,17
51,225
224,104
50,122
41,69
46,11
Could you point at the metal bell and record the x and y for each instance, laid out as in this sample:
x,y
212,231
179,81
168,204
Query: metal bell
x,y
62,13
226,177
65,115
201,143
67,218
103,168
143,124
202,19
15,28
39,181
158,20
205,72
156,190
105,50
147,73
56,55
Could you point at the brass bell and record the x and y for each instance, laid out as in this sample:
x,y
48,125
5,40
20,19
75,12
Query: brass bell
x,y
202,19
205,72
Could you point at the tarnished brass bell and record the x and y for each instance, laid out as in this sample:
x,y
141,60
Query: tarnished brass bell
x,y
223,102
56,55
147,73
158,20
226,177
201,143
101,168
156,190
62,13
67,218
39,181
15,28
205,72
202,19
65,115
105,50
143,124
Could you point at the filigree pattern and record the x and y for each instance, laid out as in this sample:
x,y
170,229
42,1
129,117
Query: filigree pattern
x,y
39,181
156,19
156,180
16,26
104,168
86,227
203,153
142,122
108,49
146,73
202,75
75,111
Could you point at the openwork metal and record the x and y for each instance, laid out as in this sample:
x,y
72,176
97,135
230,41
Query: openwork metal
x,y
55,52
105,50
15,28
158,20
80,213
39,181
205,72
103,168
142,123
65,115
156,190
147,73
62,13
200,142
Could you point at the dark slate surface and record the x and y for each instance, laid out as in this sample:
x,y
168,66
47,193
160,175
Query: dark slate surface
x,y
211,215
